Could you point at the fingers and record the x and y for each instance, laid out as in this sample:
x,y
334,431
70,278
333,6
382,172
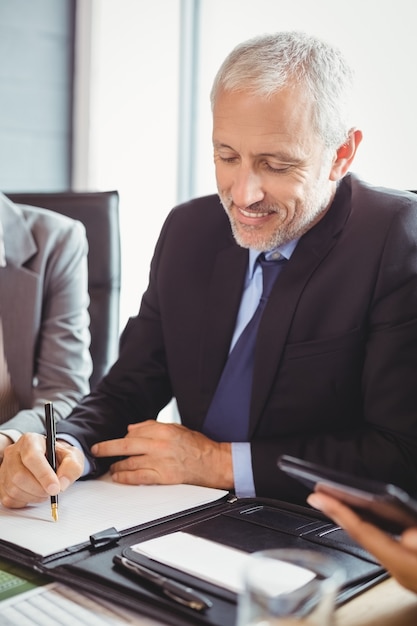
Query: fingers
x,y
398,557
70,462
409,539
26,476
142,470
142,427
341,514
120,447
160,453
141,438
344,516
153,429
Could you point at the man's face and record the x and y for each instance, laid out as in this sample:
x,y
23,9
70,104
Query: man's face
x,y
272,169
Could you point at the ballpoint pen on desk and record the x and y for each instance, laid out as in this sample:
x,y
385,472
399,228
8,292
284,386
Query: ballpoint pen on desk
x,y
176,591
50,450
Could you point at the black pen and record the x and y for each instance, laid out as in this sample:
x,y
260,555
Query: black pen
x,y
171,588
50,450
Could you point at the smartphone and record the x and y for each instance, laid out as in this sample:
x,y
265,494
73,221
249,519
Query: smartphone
x,y
385,505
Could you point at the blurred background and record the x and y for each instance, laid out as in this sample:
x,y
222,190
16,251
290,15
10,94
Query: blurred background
x,y
114,94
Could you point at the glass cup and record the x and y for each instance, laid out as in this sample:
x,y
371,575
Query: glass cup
x,y
289,587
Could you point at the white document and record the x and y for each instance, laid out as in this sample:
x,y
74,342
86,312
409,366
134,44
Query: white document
x,y
215,562
59,605
91,506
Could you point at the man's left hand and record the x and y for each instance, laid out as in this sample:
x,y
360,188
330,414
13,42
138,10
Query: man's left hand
x,y
160,453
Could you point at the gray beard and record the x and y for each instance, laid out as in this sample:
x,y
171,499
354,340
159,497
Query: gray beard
x,y
312,212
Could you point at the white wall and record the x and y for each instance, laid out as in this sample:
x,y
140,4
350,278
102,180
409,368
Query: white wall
x,y
128,119
377,36
129,138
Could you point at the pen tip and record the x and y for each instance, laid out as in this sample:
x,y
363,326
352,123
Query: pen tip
x,y
54,509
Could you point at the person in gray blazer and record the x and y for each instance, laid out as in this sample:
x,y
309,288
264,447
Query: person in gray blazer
x,y
44,322
335,358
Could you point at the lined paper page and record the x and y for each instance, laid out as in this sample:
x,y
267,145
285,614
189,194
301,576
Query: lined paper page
x,y
91,506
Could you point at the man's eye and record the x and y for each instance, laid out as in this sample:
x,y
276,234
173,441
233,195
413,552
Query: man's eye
x,y
277,169
228,159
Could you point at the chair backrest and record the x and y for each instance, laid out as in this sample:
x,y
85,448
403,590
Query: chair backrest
x,y
99,212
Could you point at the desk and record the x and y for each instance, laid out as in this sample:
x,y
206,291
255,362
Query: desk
x,y
386,604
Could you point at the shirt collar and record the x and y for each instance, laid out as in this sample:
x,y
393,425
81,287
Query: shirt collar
x,y
284,250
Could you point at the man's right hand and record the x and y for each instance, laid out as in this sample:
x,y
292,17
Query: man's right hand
x,y
26,476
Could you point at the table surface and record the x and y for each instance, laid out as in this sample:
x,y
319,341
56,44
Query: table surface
x,y
386,604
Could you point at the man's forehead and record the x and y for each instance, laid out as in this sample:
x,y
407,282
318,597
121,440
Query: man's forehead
x,y
245,112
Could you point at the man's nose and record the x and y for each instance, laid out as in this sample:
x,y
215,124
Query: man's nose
x,y
247,188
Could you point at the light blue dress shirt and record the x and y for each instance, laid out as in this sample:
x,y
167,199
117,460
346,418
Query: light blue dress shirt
x,y
252,291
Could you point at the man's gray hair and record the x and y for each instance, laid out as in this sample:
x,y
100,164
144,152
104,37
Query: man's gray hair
x,y
265,64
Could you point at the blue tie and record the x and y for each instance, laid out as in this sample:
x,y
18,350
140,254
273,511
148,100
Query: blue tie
x,y
228,415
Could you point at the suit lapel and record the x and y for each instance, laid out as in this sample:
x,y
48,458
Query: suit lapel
x,y
18,289
312,248
224,294
18,286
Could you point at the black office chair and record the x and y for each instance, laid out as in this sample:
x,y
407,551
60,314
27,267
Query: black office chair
x,y
99,212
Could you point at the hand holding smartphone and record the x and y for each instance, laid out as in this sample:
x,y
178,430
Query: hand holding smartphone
x,y
383,504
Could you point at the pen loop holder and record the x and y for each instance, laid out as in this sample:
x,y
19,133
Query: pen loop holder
x,y
104,538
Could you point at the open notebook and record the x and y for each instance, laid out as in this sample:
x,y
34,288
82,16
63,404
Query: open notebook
x,y
91,506
100,520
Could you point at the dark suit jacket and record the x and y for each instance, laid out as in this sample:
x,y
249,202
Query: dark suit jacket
x,y
335,377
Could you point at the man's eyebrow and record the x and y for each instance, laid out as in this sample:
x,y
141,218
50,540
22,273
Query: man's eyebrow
x,y
283,157
218,144
280,156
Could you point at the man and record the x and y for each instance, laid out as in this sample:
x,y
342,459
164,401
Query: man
x,y
44,336
335,363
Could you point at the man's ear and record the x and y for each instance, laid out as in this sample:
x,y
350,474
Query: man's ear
x,y
345,155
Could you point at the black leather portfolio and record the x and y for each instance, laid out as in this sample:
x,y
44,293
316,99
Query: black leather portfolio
x,y
245,524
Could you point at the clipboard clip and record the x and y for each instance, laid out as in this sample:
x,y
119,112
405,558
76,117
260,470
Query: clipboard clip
x,y
104,538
